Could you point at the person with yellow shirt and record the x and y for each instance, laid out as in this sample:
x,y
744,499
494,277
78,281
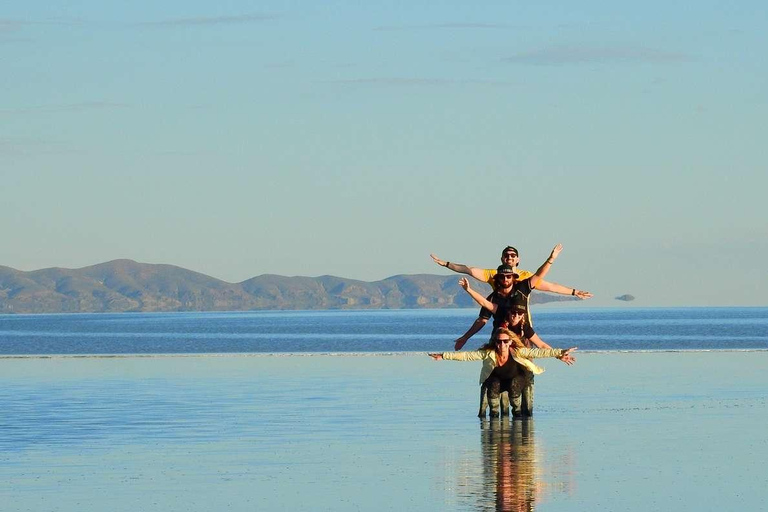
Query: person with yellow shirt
x,y
509,258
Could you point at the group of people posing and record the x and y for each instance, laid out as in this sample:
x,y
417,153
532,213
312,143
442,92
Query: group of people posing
x,y
507,356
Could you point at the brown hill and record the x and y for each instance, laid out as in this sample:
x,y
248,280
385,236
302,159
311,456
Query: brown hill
x,y
125,285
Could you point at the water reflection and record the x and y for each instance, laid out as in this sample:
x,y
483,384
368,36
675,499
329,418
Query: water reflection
x,y
509,456
516,475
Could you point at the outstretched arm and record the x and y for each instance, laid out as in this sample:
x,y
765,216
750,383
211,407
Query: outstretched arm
x,y
531,353
469,355
546,286
544,268
490,306
540,343
478,324
477,273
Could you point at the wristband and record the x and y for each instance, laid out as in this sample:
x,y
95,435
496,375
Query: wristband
x,y
573,292
447,263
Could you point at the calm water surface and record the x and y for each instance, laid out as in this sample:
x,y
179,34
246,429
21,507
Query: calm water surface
x,y
618,431
249,427
374,331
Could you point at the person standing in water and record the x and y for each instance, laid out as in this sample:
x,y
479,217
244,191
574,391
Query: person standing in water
x,y
500,355
516,321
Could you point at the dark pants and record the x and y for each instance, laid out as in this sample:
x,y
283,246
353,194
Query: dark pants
x,y
519,389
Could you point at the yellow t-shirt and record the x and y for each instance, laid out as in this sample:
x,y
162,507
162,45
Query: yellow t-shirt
x,y
488,274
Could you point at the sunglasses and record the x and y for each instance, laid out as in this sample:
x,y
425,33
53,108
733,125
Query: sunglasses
x,y
517,313
506,276
505,340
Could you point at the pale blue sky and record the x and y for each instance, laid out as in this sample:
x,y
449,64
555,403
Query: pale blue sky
x,y
346,138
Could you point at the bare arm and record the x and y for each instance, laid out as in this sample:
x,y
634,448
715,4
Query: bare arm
x,y
538,341
546,286
478,324
475,272
490,306
566,358
544,268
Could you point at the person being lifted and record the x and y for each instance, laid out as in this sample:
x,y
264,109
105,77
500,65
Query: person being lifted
x,y
510,276
509,257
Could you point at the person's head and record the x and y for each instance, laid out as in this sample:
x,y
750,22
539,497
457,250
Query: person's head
x,y
503,337
510,256
505,276
518,309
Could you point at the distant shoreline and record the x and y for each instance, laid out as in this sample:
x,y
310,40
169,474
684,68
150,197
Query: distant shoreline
x,y
122,286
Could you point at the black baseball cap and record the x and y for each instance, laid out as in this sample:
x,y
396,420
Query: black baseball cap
x,y
518,302
510,249
506,269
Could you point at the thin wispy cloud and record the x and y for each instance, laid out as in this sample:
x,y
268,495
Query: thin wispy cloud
x,y
439,26
209,20
11,28
405,82
7,26
16,147
64,108
572,54
13,25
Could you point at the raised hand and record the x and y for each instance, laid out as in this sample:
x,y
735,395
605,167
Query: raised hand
x,y
582,294
464,283
436,357
437,260
555,252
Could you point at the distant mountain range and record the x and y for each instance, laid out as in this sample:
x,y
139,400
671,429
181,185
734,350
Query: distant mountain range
x,y
125,285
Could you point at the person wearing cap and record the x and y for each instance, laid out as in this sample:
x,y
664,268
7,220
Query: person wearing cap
x,y
500,357
509,256
516,321
507,279
510,259
508,295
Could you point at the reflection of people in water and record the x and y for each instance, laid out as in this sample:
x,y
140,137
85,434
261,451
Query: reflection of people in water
x,y
500,357
514,470
509,459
